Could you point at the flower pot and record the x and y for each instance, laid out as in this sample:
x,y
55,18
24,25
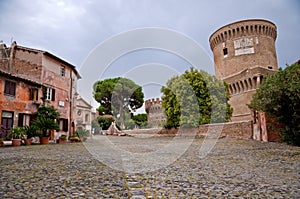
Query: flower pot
x,y
44,140
61,141
16,142
28,141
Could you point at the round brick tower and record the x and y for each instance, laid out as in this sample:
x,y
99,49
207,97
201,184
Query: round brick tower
x,y
244,52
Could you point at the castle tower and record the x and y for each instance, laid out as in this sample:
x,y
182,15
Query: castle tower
x,y
244,52
156,117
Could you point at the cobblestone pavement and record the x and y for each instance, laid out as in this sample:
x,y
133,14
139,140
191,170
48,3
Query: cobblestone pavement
x,y
233,169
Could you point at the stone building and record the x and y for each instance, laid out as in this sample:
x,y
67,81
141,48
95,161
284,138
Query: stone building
x,y
28,74
244,53
156,117
84,114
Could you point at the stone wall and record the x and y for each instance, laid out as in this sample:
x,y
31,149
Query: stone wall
x,y
240,130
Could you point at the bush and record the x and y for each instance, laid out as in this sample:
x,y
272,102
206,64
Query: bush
x,y
279,96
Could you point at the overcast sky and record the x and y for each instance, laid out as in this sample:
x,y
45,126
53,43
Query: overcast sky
x,y
72,29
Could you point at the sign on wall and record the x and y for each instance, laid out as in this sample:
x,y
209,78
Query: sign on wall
x,y
61,103
243,46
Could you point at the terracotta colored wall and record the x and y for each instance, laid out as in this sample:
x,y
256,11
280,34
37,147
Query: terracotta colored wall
x,y
28,64
18,104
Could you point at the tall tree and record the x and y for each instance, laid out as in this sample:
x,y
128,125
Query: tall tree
x,y
279,96
117,95
195,98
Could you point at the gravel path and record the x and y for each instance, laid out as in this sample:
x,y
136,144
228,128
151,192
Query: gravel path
x,y
233,169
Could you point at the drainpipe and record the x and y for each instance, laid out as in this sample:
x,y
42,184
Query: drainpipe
x,y
71,99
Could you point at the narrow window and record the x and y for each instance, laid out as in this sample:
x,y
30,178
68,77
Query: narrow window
x,y
10,88
86,117
62,71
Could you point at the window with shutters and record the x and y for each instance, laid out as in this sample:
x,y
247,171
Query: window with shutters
x,y
24,119
7,119
10,88
33,94
50,94
63,125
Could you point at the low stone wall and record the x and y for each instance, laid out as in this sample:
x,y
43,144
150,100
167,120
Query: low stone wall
x,y
241,130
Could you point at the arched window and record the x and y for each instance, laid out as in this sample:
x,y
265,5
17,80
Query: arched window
x,y
261,79
246,85
230,89
87,117
238,87
250,83
235,89
242,86
254,82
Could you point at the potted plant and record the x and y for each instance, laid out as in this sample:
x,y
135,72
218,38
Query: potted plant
x,y
74,138
45,124
30,132
62,139
17,134
2,135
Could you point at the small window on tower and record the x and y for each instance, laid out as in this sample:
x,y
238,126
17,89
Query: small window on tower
x,y
225,52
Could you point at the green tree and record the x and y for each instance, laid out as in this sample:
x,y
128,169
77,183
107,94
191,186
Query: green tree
x,y
105,121
195,98
279,96
140,119
117,95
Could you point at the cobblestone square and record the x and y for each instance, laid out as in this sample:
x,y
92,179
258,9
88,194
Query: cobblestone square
x,y
233,169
